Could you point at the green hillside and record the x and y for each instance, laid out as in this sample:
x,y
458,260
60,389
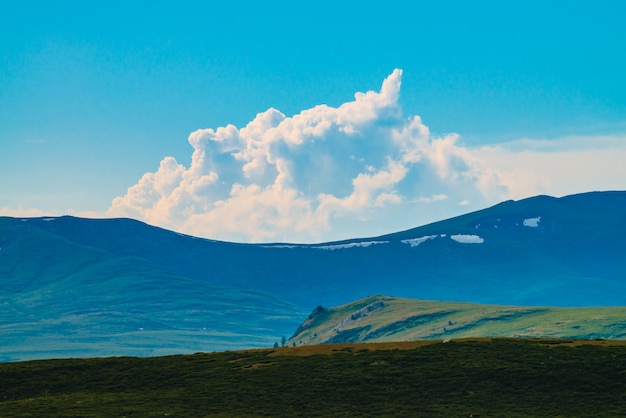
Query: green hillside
x,y
384,318
66,298
486,378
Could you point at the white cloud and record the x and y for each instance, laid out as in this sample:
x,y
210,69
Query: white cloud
x,y
26,212
558,167
360,169
431,199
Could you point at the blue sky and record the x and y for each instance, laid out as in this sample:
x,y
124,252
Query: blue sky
x,y
513,99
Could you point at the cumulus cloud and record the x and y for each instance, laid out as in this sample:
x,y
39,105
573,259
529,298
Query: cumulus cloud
x,y
329,173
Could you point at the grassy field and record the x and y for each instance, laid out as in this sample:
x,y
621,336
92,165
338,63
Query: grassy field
x,y
476,377
385,318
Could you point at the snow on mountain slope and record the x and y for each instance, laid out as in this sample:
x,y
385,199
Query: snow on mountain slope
x,y
414,242
532,222
467,239
349,245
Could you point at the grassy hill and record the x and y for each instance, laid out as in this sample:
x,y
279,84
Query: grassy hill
x,y
384,318
487,378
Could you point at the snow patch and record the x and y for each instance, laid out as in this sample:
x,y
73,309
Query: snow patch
x,y
350,245
414,242
49,219
467,239
532,222
280,246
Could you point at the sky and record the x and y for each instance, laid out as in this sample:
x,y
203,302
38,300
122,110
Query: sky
x,y
306,121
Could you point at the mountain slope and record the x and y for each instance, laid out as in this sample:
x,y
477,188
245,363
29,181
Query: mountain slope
x,y
114,277
60,298
383,318
537,251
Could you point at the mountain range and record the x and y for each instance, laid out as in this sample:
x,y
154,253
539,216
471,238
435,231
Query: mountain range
x,y
96,287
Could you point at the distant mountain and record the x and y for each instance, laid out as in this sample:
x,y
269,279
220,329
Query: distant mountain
x,y
383,319
75,287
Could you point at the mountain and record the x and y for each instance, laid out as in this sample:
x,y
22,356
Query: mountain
x,y
75,287
95,288
383,319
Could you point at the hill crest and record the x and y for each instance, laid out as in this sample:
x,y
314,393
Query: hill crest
x,y
385,319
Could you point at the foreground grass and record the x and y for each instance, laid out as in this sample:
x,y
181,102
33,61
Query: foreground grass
x,y
500,377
